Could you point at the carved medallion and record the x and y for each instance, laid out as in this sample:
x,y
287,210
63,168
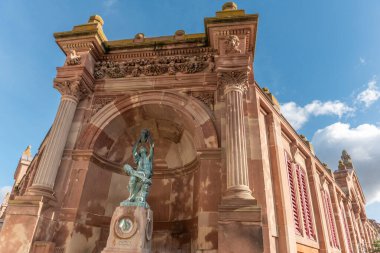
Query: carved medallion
x,y
232,43
125,227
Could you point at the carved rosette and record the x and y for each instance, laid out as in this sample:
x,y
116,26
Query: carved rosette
x,y
71,88
154,66
233,80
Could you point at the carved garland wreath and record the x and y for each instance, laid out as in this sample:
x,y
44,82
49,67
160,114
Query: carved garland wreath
x,y
154,67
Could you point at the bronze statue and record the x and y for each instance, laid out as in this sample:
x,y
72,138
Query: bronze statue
x,y
141,177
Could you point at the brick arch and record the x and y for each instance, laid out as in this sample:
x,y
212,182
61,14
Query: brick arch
x,y
205,134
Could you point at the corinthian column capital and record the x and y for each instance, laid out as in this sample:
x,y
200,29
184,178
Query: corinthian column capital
x,y
233,80
71,88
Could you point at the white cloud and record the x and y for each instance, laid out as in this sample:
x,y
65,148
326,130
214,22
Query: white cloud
x,y
362,143
369,95
110,3
298,116
362,60
3,191
295,114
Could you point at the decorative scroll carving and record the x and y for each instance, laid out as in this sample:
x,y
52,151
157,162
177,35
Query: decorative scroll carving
x,y
233,80
71,88
232,43
73,58
154,67
99,102
206,97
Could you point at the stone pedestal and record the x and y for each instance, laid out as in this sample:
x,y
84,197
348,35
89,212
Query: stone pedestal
x,y
240,227
130,230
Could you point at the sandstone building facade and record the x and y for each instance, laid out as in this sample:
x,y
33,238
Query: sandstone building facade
x,y
230,173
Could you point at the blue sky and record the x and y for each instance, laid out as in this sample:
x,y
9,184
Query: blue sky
x,y
320,58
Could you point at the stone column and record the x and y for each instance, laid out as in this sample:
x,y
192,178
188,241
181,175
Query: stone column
x,y
234,85
72,91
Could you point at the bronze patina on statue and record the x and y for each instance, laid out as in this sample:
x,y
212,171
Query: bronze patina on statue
x,y
131,225
141,177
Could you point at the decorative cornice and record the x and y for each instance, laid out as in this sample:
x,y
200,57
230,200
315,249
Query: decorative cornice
x,y
71,88
128,55
169,65
233,80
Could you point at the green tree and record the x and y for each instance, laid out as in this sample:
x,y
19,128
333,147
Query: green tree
x,y
376,247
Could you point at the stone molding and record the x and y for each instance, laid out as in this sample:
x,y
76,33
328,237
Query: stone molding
x,y
188,51
71,88
159,171
169,65
233,80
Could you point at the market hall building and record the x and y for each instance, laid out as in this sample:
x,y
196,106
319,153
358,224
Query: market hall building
x,y
230,173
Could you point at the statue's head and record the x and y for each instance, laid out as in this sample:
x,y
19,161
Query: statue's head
x,y
144,135
142,151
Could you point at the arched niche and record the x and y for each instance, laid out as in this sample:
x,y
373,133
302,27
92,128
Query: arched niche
x,y
180,126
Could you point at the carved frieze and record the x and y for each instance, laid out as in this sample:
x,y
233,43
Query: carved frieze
x,y
99,102
233,80
73,58
154,67
73,88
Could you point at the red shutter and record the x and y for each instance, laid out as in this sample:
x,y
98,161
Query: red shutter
x,y
305,203
293,196
330,219
348,237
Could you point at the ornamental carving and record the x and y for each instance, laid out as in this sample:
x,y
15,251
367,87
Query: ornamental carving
x,y
73,58
206,97
346,159
232,43
154,67
233,80
71,88
99,102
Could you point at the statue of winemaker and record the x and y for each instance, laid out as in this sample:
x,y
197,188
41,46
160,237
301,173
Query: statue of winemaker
x,y
141,177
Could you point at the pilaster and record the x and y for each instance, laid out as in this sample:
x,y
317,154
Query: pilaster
x,y
232,34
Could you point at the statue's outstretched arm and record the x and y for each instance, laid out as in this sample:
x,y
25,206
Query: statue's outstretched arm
x,y
151,150
135,154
